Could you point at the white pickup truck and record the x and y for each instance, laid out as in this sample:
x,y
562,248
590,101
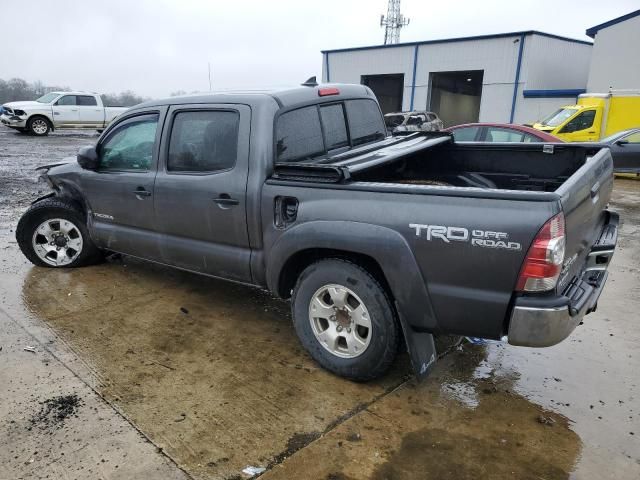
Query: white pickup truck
x,y
59,110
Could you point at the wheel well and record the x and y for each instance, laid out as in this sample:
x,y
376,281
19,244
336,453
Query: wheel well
x,y
38,115
302,259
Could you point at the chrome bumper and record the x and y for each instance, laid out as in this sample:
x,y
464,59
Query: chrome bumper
x,y
540,322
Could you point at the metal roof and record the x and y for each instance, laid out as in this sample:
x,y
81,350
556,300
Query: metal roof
x,y
591,32
462,39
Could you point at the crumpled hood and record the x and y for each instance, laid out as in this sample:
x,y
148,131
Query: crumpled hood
x,y
64,161
25,104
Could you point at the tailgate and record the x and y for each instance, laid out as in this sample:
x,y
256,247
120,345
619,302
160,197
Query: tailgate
x,y
584,198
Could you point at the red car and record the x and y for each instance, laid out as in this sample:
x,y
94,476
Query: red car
x,y
499,132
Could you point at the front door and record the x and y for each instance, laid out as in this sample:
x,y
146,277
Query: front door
x,y
120,191
65,111
581,128
626,153
200,190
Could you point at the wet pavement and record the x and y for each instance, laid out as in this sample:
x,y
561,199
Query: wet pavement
x,y
211,374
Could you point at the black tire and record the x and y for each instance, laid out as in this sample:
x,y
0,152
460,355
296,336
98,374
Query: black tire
x,y
36,126
385,330
50,208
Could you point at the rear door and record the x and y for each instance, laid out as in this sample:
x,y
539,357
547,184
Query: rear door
x,y
120,191
200,190
89,112
65,111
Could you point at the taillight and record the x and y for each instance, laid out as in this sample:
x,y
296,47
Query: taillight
x,y
543,264
323,92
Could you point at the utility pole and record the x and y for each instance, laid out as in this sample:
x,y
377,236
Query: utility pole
x,y
393,22
209,65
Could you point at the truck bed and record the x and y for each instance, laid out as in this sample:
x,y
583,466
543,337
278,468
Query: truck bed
x,y
436,161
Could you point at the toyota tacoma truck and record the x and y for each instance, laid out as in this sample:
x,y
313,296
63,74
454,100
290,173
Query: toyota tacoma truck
x,y
375,239
59,110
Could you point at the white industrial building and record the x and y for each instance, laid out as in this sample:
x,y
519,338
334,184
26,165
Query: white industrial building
x,y
511,77
615,63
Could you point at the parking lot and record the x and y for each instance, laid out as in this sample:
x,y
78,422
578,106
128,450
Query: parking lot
x,y
165,374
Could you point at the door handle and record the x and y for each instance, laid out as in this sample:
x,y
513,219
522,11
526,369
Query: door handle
x,y
141,192
225,200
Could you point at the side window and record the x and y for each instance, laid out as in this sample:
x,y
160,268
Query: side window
x,y
581,122
298,135
86,100
503,135
365,121
130,145
528,138
633,138
203,141
465,134
67,100
335,128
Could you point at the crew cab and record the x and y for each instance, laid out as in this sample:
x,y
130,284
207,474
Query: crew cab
x,y
372,237
59,110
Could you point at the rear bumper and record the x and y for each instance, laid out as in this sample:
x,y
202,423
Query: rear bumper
x,y
546,321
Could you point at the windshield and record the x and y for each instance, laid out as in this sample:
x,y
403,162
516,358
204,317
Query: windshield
x,y
48,98
558,117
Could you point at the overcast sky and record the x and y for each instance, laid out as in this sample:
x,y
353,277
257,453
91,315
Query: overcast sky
x,y
155,47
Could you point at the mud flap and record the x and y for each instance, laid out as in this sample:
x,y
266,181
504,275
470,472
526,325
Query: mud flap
x,y
421,347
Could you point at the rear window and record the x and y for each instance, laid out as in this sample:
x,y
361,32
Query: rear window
x,y
365,121
299,135
309,132
335,128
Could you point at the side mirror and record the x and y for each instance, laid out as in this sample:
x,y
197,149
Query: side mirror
x,y
622,142
88,158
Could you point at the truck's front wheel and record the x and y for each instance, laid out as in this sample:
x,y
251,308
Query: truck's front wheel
x,y
39,126
345,319
52,233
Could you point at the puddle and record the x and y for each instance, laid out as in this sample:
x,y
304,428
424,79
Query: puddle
x,y
208,369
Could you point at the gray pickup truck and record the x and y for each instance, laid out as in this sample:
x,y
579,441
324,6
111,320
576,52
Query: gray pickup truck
x,y
375,239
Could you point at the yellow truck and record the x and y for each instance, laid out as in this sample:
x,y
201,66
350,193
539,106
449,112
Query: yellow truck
x,y
595,116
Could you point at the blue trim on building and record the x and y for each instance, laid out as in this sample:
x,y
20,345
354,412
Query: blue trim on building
x,y
516,82
461,39
326,59
591,32
413,80
566,93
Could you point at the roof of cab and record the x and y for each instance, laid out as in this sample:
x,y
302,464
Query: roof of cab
x,y
285,97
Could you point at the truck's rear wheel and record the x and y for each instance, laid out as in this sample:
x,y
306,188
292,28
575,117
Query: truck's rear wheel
x,y
345,319
39,126
52,233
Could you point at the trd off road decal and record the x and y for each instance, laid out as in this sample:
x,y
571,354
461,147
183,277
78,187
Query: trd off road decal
x,y
477,238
